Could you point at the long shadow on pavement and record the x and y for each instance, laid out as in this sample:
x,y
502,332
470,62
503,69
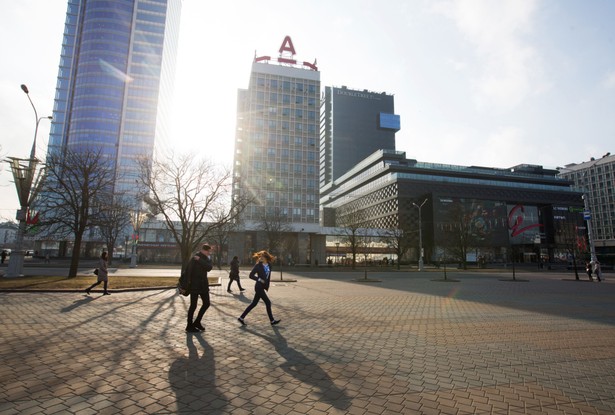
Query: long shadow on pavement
x,y
306,370
193,380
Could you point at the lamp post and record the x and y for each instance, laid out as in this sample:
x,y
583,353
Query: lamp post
x,y
23,174
137,220
420,235
337,253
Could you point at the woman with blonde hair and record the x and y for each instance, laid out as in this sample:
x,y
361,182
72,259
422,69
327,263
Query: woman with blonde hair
x,y
261,273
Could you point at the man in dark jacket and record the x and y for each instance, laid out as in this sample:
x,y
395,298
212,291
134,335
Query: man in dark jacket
x,y
198,267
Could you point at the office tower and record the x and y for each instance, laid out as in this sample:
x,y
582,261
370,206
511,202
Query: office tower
x,y
355,124
276,146
596,179
115,81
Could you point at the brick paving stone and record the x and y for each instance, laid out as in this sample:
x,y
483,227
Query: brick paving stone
x,y
405,345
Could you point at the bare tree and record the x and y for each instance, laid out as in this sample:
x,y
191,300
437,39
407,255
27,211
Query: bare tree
x,y
276,227
352,221
399,240
192,196
113,220
219,238
75,187
459,234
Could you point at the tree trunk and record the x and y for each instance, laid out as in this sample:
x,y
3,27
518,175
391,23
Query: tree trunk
x,y
74,260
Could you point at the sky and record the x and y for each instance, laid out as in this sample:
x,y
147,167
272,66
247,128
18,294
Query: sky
x,y
476,82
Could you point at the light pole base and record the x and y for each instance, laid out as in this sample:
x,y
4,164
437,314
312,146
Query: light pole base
x,y
421,264
15,268
133,261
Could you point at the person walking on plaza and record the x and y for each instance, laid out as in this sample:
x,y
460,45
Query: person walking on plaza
x,y
103,274
4,255
261,273
588,270
234,275
198,267
598,270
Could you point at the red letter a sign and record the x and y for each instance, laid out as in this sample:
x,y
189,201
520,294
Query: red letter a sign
x,y
287,46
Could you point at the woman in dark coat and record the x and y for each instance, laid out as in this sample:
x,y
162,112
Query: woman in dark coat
x,y
261,273
234,274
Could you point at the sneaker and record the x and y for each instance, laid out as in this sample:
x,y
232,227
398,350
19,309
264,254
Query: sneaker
x,y
242,289
87,291
106,293
243,323
274,322
199,326
228,291
192,329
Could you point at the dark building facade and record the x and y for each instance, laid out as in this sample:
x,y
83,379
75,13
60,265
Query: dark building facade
x,y
354,125
526,209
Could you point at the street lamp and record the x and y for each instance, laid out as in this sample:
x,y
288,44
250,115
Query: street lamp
x,y
23,174
337,253
137,220
420,235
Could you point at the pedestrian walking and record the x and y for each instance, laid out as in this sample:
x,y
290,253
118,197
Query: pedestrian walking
x,y
588,269
598,270
234,275
4,255
102,273
261,273
197,270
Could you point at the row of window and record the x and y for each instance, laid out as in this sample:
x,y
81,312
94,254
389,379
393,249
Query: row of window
x,y
286,99
293,214
262,124
295,197
285,85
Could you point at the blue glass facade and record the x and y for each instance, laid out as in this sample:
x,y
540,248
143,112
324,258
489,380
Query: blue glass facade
x,y
111,91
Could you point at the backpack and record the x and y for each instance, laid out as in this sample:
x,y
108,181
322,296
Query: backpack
x,y
183,284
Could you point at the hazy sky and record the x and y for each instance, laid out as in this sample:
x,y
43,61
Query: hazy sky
x,y
476,82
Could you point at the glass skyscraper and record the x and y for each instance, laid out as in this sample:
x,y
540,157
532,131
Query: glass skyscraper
x,y
115,81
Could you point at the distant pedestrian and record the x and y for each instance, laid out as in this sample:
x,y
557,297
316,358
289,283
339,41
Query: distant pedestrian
x,y
598,270
261,273
588,270
4,254
103,274
234,275
47,261
198,267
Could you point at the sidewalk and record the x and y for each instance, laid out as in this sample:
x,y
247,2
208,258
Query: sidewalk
x,y
405,345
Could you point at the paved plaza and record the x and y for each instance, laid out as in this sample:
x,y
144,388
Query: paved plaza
x,y
409,344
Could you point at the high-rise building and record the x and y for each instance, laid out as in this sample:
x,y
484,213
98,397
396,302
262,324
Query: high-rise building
x,y
276,145
596,179
115,81
276,149
355,123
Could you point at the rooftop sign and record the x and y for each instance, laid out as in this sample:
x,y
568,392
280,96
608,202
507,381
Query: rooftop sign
x,y
287,56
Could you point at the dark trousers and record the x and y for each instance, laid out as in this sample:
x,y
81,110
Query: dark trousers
x,y
194,299
259,294
230,281
96,283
